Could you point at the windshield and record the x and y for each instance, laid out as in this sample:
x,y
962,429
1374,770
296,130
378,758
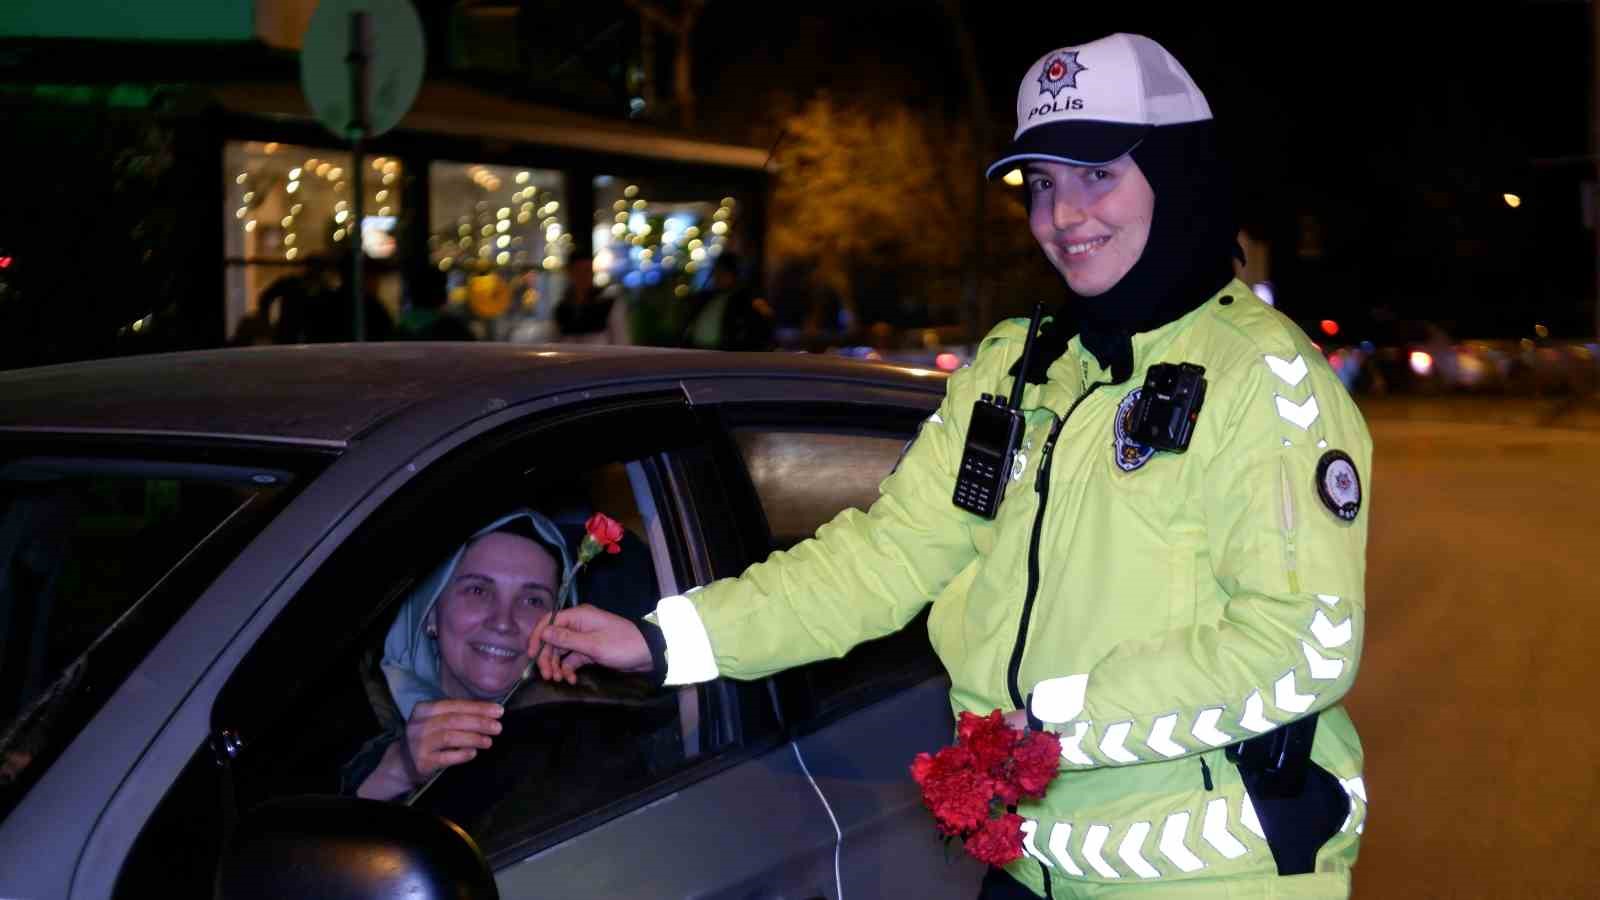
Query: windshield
x,y
98,557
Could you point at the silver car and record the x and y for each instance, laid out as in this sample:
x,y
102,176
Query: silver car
x,y
200,554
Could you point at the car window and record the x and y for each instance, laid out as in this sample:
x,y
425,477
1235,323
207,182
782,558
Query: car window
x,y
97,558
313,707
804,477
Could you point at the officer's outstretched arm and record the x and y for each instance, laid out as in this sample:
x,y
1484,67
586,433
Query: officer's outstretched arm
x,y
863,575
1285,511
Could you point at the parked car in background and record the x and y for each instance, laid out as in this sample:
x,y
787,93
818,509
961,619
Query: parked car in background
x,y
201,553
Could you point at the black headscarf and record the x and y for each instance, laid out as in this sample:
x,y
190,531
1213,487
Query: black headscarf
x,y
1188,258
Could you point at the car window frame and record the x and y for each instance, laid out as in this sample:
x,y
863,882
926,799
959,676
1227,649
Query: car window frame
x,y
682,483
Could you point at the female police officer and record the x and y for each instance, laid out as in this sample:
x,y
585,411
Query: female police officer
x,y
1173,581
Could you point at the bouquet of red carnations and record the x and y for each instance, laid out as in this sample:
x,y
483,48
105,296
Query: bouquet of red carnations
x,y
972,788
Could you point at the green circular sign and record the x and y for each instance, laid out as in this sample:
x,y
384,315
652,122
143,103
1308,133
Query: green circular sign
x,y
394,49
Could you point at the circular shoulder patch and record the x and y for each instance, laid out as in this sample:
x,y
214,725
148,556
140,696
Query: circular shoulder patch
x,y
1339,484
1130,454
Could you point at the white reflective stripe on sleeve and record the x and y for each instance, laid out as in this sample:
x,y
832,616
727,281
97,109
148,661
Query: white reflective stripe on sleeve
x,y
1092,842
1205,727
1059,834
1160,739
1129,849
1172,846
1248,818
1112,744
1322,668
1285,697
1058,700
1254,717
1301,415
1291,371
689,657
1330,599
1029,828
1328,634
1072,745
1356,788
1215,830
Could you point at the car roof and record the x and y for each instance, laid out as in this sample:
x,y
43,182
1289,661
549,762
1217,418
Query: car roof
x,y
329,394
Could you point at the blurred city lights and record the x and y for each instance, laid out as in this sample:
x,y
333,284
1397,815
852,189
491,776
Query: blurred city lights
x,y
1512,200
1013,178
1421,362
1330,327
949,362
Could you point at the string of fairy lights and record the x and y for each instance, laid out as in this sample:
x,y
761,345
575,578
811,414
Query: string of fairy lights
x,y
309,185
489,236
677,247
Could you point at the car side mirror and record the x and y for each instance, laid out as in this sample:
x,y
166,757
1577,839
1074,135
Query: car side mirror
x,y
349,848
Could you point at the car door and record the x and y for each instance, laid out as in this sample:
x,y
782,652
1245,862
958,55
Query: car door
x,y
698,794
857,722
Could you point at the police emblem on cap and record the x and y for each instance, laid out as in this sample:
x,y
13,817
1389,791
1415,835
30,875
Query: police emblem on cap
x,y
1061,72
1130,454
1339,484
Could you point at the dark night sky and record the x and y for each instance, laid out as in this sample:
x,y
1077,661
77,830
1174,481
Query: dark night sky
x,y
1398,126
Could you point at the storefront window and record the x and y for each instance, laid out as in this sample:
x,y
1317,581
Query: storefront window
x,y
289,218
500,237
658,247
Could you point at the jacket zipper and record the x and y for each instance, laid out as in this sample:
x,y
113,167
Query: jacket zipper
x,y
1041,485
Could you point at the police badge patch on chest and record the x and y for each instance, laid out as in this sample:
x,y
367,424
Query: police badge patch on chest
x,y
1130,454
1339,485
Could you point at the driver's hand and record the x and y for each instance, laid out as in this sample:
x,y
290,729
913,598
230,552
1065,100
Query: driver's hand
x,y
445,733
576,637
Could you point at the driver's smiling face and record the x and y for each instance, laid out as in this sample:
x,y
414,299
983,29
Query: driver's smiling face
x,y
485,614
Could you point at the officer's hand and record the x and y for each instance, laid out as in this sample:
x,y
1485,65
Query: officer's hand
x,y
576,637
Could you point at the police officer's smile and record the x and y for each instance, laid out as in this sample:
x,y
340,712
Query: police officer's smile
x,y
1091,221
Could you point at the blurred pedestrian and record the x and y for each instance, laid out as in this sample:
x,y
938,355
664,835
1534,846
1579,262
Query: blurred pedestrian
x,y
727,315
587,315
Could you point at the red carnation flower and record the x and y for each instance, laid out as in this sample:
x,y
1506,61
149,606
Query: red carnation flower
x,y
989,739
605,531
969,786
1035,763
999,841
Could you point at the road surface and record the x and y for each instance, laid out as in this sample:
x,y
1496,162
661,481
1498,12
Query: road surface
x,y
1477,697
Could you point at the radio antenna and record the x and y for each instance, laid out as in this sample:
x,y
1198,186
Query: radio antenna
x,y
1027,357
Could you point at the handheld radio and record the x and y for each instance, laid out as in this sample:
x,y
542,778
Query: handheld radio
x,y
993,436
